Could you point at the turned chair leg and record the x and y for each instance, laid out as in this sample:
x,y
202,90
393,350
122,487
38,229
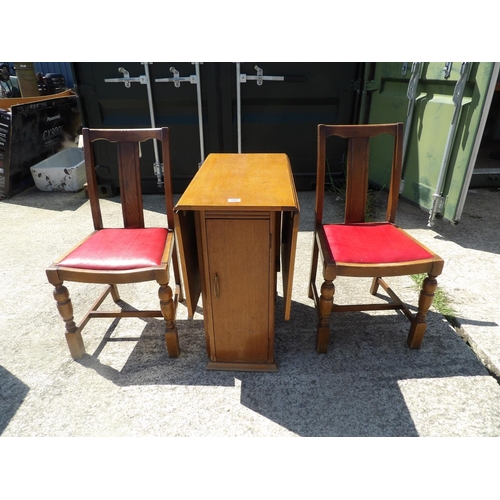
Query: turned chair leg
x,y
168,310
324,310
419,325
65,308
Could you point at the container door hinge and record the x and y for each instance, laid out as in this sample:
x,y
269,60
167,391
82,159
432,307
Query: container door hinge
x,y
371,86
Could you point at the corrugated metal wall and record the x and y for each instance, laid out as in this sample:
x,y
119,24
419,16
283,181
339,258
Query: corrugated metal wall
x,y
63,68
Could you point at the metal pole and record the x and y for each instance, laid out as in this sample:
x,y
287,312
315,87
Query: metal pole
x,y
238,104
438,199
200,115
157,167
416,71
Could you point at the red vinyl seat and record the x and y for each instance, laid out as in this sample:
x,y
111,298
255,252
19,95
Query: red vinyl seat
x,y
376,243
118,250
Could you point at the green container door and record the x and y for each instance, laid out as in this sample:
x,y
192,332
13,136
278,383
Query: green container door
x,y
444,108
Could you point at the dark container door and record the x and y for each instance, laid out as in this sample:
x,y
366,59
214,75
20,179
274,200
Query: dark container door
x,y
239,111
113,104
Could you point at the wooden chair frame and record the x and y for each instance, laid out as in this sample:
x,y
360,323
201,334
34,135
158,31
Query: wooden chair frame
x,y
356,197
133,217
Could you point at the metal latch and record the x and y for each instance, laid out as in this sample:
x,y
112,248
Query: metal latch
x,y
127,79
259,78
176,79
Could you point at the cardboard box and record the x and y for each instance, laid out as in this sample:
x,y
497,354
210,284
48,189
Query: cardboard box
x,y
31,130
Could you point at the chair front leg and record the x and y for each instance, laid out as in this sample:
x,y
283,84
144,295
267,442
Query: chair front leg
x,y
167,307
65,308
324,310
419,324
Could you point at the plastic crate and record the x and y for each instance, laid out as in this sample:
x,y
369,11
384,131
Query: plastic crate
x,y
63,171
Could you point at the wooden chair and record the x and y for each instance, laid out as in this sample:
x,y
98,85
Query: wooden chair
x,y
130,254
367,249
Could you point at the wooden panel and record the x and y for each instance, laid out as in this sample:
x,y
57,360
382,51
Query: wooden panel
x,y
186,237
239,258
242,182
357,179
288,248
130,185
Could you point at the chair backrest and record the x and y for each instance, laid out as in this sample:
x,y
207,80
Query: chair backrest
x,y
129,172
358,155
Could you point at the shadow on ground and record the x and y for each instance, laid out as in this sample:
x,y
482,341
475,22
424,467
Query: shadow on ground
x,y
353,390
12,394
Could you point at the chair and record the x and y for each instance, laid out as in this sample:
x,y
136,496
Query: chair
x,y
115,256
367,249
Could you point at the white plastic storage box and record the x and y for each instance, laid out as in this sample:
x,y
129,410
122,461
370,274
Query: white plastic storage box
x,y
63,171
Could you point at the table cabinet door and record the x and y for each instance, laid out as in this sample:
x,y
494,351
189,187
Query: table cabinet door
x,y
239,279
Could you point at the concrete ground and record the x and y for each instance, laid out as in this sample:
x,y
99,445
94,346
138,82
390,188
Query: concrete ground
x,y
368,384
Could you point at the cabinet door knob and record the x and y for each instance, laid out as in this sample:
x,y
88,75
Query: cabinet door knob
x,y
216,286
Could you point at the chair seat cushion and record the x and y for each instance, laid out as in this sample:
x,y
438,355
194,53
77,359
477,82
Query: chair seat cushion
x,y
372,243
119,249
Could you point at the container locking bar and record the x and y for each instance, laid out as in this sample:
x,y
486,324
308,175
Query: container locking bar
x,y
127,79
416,73
458,94
144,80
259,78
194,80
176,79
